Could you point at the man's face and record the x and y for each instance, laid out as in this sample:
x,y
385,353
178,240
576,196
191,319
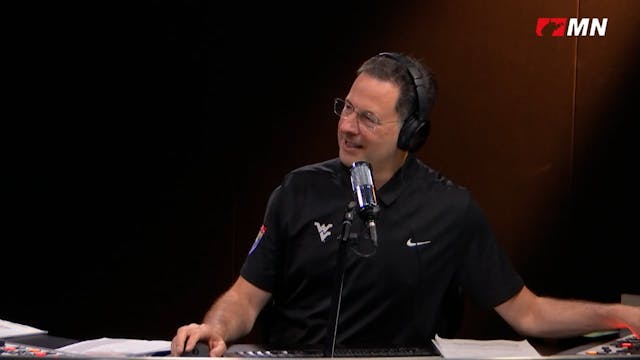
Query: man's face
x,y
370,99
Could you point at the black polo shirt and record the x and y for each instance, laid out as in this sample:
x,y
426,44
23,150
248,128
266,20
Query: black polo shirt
x,y
432,237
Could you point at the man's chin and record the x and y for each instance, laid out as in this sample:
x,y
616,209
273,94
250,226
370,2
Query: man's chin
x,y
348,158
345,158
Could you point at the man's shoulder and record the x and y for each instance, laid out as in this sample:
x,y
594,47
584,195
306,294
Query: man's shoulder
x,y
314,175
434,179
329,167
432,187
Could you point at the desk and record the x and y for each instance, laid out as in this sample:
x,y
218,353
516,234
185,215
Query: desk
x,y
544,347
43,340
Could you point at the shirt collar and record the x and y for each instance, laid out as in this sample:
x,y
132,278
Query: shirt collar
x,y
392,189
388,193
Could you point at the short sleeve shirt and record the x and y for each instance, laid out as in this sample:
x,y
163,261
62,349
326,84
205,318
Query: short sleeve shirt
x,y
432,236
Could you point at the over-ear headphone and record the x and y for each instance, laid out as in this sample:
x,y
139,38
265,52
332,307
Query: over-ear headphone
x,y
416,126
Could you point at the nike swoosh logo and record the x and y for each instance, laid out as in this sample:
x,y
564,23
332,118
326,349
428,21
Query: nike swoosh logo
x,y
410,242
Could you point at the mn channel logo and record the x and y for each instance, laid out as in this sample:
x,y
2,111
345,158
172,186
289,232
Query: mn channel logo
x,y
571,27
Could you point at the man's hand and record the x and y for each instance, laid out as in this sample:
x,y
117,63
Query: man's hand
x,y
188,336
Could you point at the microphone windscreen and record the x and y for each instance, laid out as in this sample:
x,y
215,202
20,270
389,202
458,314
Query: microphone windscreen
x,y
362,184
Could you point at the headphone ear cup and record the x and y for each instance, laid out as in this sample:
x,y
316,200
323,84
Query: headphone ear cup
x,y
420,135
413,134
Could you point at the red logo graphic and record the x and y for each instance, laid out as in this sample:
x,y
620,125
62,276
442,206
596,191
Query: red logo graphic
x,y
551,27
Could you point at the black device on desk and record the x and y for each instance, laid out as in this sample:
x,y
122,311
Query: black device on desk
x,y
624,345
249,351
38,345
200,350
601,344
14,349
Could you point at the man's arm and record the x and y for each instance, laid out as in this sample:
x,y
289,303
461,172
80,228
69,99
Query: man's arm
x,y
538,316
231,316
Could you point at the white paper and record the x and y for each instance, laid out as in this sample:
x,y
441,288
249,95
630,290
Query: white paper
x,y
118,347
474,349
11,329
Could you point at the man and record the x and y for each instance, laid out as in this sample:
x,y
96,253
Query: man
x,y
433,240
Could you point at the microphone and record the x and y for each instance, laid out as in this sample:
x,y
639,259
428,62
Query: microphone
x,y
365,196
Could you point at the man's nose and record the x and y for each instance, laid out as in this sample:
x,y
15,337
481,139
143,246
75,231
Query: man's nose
x,y
350,122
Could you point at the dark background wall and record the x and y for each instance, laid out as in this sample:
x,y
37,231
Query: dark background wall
x,y
143,140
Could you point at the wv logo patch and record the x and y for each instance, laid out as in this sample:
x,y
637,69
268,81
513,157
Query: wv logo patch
x,y
323,230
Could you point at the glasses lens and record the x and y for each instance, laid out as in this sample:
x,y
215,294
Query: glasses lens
x,y
338,106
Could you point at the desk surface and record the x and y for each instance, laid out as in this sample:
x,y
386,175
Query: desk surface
x,y
52,342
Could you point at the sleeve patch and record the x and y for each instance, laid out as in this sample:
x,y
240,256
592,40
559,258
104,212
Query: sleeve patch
x,y
263,229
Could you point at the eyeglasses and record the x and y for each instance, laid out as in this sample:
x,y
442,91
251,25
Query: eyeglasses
x,y
345,108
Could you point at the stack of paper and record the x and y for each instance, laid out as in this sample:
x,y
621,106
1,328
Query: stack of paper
x,y
119,347
10,329
478,349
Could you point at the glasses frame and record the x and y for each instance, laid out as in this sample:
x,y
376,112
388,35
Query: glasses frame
x,y
344,108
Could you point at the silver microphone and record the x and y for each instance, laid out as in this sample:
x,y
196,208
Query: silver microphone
x,y
365,195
